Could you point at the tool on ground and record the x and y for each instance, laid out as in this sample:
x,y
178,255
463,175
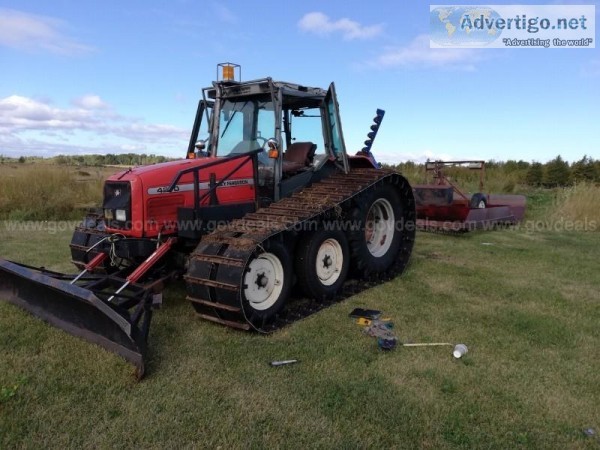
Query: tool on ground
x,y
387,344
387,340
426,344
371,314
284,362
383,331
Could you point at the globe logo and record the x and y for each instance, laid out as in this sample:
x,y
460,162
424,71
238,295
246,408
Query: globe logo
x,y
466,26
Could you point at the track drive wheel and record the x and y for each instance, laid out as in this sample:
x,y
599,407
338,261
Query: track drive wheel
x,y
375,243
266,282
322,262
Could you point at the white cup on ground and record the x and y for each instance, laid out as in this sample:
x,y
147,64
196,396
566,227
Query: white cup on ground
x,y
460,350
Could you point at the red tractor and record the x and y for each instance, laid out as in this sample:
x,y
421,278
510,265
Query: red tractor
x,y
267,220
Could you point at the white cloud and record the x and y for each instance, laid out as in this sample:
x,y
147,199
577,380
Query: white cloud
x,y
23,113
416,157
35,127
418,54
129,148
320,24
90,101
148,132
32,32
13,146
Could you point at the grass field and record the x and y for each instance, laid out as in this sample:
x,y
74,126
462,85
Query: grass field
x,y
525,302
45,191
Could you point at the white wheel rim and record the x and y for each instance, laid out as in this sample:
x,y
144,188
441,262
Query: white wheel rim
x,y
263,281
379,230
330,259
481,204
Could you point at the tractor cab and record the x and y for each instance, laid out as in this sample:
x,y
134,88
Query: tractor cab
x,y
294,130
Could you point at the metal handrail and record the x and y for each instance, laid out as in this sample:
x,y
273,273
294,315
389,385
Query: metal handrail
x,y
253,155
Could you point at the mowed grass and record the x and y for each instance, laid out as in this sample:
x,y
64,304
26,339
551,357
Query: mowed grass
x,y
525,304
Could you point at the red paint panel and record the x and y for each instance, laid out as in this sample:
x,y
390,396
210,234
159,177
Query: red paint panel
x,y
154,209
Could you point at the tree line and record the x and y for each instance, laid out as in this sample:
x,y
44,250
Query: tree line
x,y
554,173
110,159
558,172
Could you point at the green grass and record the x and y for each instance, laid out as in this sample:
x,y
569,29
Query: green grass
x,y
526,305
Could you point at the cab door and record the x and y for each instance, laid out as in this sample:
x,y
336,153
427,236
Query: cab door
x,y
332,130
200,128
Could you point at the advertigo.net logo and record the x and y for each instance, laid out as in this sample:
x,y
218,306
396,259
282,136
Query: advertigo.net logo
x,y
512,26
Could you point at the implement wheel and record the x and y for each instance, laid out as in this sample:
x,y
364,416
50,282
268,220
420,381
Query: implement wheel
x,y
478,201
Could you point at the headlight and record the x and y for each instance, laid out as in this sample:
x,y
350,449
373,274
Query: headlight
x,y
121,215
108,214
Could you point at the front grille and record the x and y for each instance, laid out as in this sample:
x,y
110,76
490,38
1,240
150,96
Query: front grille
x,y
117,196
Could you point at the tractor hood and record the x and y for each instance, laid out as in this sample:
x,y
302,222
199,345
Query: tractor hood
x,y
162,170
139,202
157,178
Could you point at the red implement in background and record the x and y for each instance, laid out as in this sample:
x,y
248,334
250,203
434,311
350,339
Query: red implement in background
x,y
441,205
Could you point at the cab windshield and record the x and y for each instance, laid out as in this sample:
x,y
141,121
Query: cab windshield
x,y
245,125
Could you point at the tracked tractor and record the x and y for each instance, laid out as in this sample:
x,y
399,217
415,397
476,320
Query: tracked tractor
x,y
266,220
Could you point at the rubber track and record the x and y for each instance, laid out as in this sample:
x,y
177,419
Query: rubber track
x,y
216,270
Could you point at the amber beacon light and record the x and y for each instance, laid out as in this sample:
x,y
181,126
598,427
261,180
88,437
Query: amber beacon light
x,y
227,72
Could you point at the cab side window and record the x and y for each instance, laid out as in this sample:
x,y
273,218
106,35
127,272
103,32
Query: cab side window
x,y
306,127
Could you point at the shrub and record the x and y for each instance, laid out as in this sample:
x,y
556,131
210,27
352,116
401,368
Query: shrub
x,y
557,173
585,170
579,203
535,174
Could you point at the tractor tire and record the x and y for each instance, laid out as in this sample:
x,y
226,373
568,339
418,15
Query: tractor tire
x,y
376,234
267,282
322,262
478,201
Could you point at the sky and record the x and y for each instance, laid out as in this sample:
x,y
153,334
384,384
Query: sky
x,y
82,77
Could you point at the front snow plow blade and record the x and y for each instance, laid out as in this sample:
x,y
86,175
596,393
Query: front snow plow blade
x,y
88,309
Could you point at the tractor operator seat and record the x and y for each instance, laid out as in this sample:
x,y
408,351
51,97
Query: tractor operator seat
x,y
298,156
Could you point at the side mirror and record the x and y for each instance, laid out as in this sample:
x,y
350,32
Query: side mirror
x,y
200,148
200,145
